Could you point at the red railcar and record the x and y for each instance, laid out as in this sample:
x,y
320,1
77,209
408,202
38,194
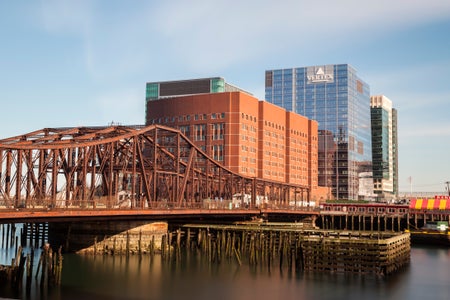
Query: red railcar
x,y
363,208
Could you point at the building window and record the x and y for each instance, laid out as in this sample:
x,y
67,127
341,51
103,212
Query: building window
x,y
185,130
200,132
217,152
217,130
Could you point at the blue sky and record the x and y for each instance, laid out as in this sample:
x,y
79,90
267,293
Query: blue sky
x,y
82,63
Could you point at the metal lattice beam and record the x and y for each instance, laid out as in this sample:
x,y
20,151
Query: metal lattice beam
x,y
120,166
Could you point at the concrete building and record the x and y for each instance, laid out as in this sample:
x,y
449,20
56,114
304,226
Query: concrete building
x,y
339,100
384,148
251,137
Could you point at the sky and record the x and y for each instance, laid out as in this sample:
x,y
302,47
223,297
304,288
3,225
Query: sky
x,y
84,63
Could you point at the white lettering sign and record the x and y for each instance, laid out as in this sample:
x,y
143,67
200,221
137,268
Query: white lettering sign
x,y
320,74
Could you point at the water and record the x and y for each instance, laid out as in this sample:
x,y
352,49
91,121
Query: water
x,y
108,277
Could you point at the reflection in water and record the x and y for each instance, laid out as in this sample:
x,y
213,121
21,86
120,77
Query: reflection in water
x,y
134,277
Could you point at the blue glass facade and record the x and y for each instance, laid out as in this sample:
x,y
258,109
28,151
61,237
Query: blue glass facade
x,y
339,100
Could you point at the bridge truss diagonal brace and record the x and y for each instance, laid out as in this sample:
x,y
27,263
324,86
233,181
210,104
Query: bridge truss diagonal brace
x,y
186,176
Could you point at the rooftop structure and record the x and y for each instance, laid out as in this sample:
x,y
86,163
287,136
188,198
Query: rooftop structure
x,y
165,89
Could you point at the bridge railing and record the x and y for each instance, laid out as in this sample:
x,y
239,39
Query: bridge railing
x,y
99,203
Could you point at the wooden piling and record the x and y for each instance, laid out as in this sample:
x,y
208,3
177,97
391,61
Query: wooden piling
x,y
188,239
127,245
300,249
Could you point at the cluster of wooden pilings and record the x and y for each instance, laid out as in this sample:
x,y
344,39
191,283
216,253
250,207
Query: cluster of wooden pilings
x,y
143,239
123,246
50,264
33,235
49,267
293,246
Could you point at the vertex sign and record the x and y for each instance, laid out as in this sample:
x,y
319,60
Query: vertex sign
x,y
319,74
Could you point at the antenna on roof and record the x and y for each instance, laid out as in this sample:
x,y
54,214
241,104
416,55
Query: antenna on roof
x,y
112,123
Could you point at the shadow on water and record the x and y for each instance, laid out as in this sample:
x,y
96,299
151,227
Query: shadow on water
x,y
194,277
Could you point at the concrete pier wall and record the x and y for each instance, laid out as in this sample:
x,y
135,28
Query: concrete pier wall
x,y
118,237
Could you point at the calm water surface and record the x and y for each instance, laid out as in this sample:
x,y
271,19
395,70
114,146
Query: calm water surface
x,y
107,277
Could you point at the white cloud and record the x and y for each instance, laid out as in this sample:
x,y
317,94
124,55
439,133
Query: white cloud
x,y
414,89
221,31
207,36
67,17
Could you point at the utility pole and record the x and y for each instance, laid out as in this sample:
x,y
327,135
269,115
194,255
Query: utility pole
x,y
447,183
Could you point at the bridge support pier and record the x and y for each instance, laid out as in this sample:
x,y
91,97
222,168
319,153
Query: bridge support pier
x,y
92,236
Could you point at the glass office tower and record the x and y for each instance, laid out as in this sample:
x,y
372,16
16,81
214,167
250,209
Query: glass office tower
x,y
384,148
339,100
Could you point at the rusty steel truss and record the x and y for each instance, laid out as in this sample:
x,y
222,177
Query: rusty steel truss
x,y
123,166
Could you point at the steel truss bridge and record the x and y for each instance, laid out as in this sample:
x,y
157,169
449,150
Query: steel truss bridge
x,y
126,167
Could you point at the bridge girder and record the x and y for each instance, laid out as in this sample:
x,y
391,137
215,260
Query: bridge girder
x,y
116,166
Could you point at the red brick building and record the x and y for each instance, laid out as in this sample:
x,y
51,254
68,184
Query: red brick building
x,y
248,136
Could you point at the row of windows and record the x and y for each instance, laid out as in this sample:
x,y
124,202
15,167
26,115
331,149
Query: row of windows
x,y
299,142
298,176
250,149
299,85
250,128
249,138
248,170
274,173
296,150
300,168
274,145
274,135
184,118
365,209
274,155
201,137
217,131
273,125
216,151
300,159
248,117
326,114
299,133
273,164
249,159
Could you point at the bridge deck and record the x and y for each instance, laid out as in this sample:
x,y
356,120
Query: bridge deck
x,y
37,215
